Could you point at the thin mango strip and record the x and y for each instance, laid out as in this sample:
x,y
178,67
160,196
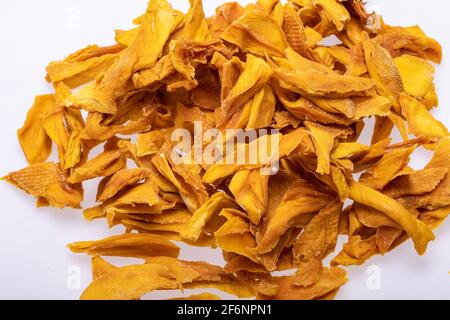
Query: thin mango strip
x,y
417,230
128,245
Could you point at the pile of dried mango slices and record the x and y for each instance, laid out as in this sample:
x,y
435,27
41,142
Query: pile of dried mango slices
x,y
265,65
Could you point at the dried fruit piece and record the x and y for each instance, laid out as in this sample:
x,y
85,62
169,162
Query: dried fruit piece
x,y
417,230
128,245
33,138
331,279
47,183
258,33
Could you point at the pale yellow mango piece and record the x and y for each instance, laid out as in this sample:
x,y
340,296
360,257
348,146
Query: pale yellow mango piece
x,y
417,75
257,33
33,138
420,120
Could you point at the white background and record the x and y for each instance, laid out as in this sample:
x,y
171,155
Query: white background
x,y
34,263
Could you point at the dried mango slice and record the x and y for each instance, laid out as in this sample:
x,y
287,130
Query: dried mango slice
x,y
385,170
200,218
128,245
154,32
441,155
144,193
86,66
382,70
256,32
120,180
131,283
142,53
250,189
150,143
95,212
295,32
193,197
223,168
417,75
330,280
149,227
349,149
262,283
415,183
263,109
235,235
33,138
435,199
200,275
280,258
324,139
96,130
398,40
435,218
344,106
196,27
151,76
418,231
371,218
103,165
304,108
254,76
317,240
334,11
46,182
100,267
299,198
385,238
420,121
356,251
317,84
296,61
372,106
339,177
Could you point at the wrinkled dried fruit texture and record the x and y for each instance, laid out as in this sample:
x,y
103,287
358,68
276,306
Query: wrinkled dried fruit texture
x,y
47,183
416,229
132,283
316,242
258,33
118,110
162,273
331,280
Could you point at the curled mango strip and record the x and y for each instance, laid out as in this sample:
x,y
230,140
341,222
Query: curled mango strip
x,y
417,230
